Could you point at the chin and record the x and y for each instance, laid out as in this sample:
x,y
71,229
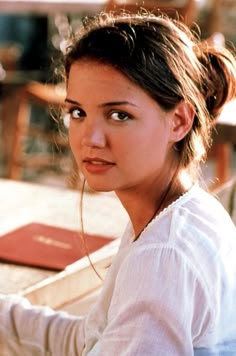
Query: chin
x,y
99,188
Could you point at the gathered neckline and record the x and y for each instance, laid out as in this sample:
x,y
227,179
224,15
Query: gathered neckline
x,y
167,208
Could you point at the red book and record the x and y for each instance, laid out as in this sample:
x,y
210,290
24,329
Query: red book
x,y
46,246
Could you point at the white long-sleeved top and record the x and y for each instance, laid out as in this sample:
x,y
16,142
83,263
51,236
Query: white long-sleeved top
x,y
171,292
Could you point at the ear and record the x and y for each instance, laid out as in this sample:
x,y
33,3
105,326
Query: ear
x,y
182,121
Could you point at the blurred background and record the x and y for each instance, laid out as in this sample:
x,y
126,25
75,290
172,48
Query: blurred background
x,y
33,35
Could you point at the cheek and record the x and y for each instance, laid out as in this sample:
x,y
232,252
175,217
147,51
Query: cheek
x,y
152,148
74,140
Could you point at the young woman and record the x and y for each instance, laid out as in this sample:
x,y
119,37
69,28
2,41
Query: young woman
x,y
142,96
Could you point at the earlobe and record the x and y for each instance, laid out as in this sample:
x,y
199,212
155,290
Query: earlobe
x,y
183,116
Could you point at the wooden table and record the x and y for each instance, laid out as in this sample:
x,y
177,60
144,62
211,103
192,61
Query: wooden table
x,y
22,203
226,125
224,140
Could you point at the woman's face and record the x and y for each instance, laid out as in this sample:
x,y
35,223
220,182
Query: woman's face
x,y
121,139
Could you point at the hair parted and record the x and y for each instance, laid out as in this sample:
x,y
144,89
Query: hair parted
x,y
168,61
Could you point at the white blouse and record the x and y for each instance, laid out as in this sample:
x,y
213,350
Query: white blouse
x,y
171,292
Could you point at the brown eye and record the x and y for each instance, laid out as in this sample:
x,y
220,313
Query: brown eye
x,y
120,116
76,113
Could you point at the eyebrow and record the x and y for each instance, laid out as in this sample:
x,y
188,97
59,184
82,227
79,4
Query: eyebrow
x,y
67,100
112,103
115,103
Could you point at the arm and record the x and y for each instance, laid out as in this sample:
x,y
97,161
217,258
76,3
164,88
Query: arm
x,y
27,330
158,306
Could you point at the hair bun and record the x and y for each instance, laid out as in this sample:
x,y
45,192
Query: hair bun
x,y
220,76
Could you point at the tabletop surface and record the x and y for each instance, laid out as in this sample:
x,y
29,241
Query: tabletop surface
x,y
228,114
23,203
226,125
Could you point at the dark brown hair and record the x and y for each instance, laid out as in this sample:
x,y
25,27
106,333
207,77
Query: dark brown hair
x,y
169,62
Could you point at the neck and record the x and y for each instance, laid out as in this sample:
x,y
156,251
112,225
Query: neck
x,y
142,207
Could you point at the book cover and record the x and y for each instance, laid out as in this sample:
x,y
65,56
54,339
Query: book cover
x,y
45,246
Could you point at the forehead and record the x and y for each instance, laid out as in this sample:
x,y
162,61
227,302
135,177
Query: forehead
x,y
91,76
89,70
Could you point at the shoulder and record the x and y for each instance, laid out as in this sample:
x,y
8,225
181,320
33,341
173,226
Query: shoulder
x,y
196,216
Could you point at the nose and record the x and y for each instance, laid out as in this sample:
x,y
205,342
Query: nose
x,y
93,135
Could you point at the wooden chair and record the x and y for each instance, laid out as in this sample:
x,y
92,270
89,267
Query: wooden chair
x,y
172,8
49,97
226,193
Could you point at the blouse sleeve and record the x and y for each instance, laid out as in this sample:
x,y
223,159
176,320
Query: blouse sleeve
x,y
28,330
159,306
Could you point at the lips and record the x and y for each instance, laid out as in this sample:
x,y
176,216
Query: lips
x,y
97,161
97,165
